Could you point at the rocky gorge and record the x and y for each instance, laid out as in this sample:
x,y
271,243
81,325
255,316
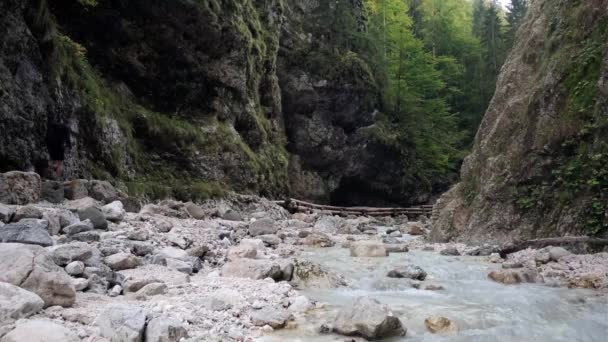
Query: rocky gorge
x,y
144,145
190,99
244,269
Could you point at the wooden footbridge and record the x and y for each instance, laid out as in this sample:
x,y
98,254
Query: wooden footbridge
x,y
297,206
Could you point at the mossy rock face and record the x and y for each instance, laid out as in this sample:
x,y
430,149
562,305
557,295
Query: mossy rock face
x,y
539,163
176,98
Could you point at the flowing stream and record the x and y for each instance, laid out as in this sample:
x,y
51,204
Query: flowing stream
x,y
484,310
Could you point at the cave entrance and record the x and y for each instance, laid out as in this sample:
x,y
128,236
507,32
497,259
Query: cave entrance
x,y
356,192
57,141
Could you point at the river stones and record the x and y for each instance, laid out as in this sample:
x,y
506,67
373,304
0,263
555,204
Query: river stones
x,y
409,271
317,239
122,322
122,261
368,318
416,228
165,329
32,268
272,316
34,232
252,269
441,325
114,212
516,276
245,251
262,226
368,249
19,187
16,303
450,251
39,330
556,253
102,191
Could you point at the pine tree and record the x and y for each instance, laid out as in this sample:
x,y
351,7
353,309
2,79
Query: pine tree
x,y
517,12
479,9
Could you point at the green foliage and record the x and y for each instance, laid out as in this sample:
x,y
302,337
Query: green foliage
x,y
579,174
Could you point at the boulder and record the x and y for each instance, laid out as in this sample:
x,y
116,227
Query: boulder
x,y
54,222
317,239
307,274
416,228
95,215
300,304
76,189
17,303
52,191
270,240
272,316
141,234
122,323
174,253
81,204
368,318
27,212
31,233
114,212
19,187
395,234
262,226
440,325
231,215
409,271
75,268
32,268
484,250
178,240
134,284
452,251
241,251
252,269
196,211
78,227
329,224
396,248
90,236
38,330
516,276
165,329
556,253
80,283
122,261
66,253
153,289
102,191
368,249
6,213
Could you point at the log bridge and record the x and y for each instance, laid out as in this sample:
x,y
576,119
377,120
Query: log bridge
x,y
297,206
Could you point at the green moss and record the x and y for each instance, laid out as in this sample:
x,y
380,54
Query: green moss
x,y
579,174
183,190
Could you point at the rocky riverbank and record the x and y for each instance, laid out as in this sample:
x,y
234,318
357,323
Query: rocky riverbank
x,y
104,268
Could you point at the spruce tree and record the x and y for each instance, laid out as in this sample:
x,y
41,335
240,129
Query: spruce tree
x,y
517,11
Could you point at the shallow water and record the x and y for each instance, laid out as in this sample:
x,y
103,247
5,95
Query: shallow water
x,y
484,310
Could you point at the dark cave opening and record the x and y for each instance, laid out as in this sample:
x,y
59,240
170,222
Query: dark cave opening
x,y
356,192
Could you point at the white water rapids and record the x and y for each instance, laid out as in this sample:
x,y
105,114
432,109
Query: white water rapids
x,y
484,310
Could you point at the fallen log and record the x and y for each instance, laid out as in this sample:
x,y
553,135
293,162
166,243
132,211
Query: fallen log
x,y
575,244
294,205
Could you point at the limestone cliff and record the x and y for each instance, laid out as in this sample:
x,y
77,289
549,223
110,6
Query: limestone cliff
x,y
180,98
539,166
